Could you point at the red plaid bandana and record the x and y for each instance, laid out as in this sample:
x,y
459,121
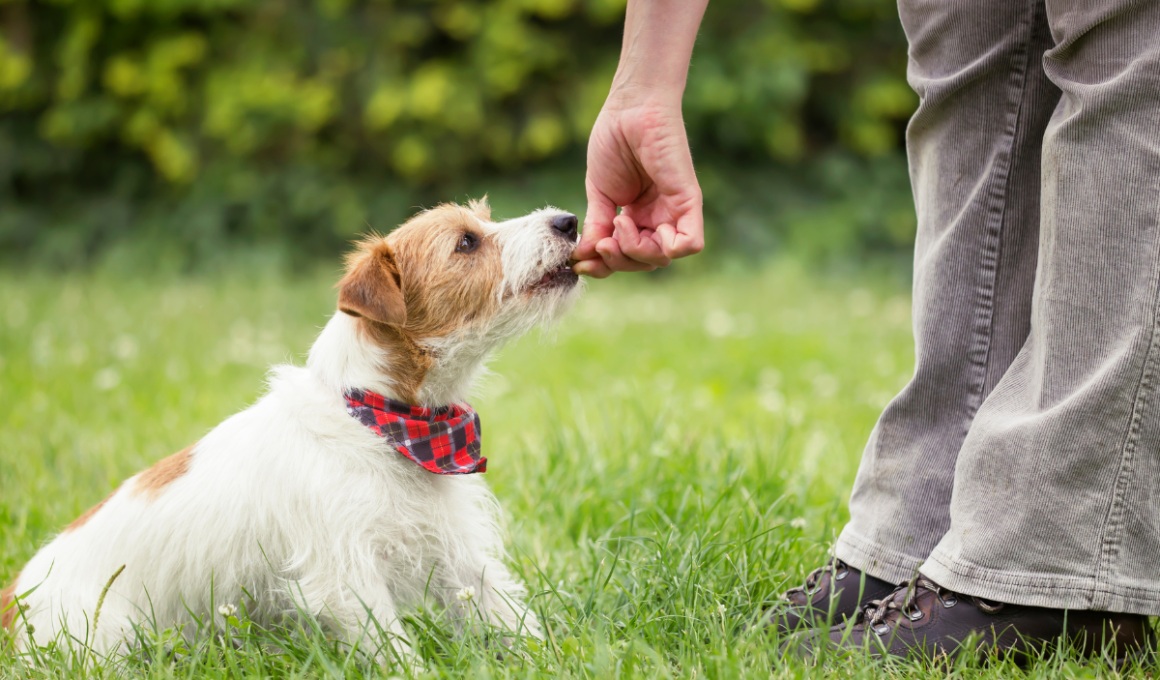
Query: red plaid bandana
x,y
443,440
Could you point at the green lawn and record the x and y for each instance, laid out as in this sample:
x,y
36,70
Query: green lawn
x,y
671,457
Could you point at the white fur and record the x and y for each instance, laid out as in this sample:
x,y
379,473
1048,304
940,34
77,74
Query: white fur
x,y
294,506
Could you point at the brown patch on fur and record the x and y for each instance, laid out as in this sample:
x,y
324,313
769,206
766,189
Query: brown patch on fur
x,y
88,514
409,363
163,473
7,597
371,287
443,290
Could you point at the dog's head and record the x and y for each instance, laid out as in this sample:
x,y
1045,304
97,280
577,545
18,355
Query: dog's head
x,y
450,285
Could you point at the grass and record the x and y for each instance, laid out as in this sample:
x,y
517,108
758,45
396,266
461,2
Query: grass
x,y
673,456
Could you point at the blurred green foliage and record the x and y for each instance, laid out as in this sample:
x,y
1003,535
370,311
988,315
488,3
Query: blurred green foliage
x,y
298,122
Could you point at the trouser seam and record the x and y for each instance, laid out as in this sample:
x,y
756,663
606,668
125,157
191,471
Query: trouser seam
x,y
980,356
1013,73
1112,534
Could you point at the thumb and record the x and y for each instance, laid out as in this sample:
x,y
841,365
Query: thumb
x,y
597,224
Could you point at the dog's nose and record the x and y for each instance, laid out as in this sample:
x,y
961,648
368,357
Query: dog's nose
x,y
566,225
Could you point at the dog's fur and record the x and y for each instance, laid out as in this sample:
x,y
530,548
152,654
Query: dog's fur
x,y
294,506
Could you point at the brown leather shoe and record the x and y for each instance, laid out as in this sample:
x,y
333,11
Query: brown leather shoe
x,y
831,594
925,619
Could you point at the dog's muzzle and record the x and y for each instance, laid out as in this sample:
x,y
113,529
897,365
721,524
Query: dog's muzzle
x,y
566,224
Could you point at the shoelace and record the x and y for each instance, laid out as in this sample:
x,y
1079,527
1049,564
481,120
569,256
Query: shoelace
x,y
876,615
838,567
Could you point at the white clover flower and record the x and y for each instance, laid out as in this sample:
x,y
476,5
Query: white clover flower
x,y
798,523
465,595
228,610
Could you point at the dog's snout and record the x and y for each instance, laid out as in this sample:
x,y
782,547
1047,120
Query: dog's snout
x,y
566,225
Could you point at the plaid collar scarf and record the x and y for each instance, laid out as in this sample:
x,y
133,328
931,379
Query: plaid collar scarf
x,y
442,440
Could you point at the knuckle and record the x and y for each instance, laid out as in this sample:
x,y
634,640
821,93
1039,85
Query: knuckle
x,y
693,248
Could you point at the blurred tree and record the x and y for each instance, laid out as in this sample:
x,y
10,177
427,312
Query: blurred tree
x,y
292,119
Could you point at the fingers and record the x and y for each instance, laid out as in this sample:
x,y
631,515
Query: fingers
x,y
676,244
597,223
610,259
629,250
638,245
616,260
686,238
595,268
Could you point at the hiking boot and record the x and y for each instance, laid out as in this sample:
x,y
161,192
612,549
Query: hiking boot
x,y
924,619
831,594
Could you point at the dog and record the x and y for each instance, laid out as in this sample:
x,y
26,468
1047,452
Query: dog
x,y
343,492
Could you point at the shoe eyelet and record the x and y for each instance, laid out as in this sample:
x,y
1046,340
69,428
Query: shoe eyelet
x,y
915,615
949,602
844,574
881,630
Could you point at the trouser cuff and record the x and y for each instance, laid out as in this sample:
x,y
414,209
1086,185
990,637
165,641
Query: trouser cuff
x,y
875,559
1038,590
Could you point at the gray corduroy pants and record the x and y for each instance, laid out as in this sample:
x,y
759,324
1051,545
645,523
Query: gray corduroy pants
x,y
1022,461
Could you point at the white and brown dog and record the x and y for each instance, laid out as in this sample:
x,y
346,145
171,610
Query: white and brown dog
x,y
293,505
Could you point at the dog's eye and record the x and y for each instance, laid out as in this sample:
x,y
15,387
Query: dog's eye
x,y
468,243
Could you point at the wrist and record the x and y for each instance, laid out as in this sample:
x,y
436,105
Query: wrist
x,y
631,94
658,44
663,77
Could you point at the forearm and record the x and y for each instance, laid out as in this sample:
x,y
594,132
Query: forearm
x,y
658,44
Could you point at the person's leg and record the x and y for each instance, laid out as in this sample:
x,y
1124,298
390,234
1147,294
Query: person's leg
x,y
974,148
1056,498
1055,511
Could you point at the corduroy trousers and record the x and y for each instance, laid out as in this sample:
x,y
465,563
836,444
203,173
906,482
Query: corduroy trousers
x,y
1022,461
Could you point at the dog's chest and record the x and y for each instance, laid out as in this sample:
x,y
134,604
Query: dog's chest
x,y
417,517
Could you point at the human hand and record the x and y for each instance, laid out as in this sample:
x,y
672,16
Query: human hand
x,y
639,159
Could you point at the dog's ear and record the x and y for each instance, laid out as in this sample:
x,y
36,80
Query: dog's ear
x,y
372,287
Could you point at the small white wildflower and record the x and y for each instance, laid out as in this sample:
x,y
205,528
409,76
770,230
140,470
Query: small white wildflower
x,y
228,610
798,522
720,610
468,593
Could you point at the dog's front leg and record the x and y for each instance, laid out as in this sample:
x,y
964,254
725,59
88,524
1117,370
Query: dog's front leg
x,y
361,611
488,592
379,632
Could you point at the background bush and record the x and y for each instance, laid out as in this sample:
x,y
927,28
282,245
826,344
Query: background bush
x,y
174,127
